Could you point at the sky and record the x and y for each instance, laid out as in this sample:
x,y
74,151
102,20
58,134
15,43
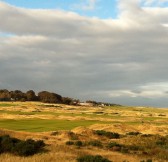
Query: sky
x,y
104,50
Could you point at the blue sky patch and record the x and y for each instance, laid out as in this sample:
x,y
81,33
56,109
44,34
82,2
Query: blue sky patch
x,y
99,8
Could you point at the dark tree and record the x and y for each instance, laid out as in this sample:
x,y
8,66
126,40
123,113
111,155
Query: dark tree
x,y
31,96
48,97
18,95
67,100
5,95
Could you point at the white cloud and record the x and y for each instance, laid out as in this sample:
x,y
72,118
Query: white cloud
x,y
154,2
153,90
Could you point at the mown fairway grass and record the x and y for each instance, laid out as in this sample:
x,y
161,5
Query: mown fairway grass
x,y
92,115
16,112
42,125
7,104
39,117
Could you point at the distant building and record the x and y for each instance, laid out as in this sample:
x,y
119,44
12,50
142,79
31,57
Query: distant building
x,y
85,104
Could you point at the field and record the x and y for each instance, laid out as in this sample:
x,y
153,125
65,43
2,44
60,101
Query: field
x,y
57,124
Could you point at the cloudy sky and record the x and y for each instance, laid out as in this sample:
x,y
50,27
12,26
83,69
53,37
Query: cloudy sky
x,y
105,50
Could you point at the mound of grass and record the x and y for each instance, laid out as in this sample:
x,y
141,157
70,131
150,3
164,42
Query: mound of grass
x,y
148,145
72,135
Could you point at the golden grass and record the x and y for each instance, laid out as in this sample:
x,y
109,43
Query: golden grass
x,y
123,120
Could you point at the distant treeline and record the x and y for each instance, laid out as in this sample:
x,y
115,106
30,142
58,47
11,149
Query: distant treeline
x,y
43,96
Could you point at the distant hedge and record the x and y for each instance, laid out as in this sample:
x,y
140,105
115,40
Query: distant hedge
x,y
19,147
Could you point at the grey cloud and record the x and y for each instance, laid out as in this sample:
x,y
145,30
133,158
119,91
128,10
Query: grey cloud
x,y
87,58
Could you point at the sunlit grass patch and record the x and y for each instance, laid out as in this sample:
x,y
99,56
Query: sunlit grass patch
x,y
40,125
7,104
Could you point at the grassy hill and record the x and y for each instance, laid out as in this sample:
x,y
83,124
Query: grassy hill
x,y
143,131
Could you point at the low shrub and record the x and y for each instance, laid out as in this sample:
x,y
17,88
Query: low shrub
x,y
160,142
122,148
110,135
24,149
95,143
133,133
113,144
91,158
69,143
146,135
7,143
149,160
18,147
72,136
54,133
134,148
28,147
78,143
